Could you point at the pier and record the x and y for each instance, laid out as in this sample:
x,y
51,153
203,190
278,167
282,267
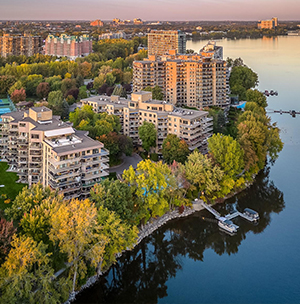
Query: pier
x,y
225,221
291,112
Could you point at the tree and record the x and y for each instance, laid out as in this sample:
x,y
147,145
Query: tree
x,y
157,93
18,95
148,134
121,236
6,81
116,196
227,153
242,79
27,199
32,83
54,82
174,149
99,82
83,92
150,184
85,69
7,231
43,90
67,84
73,92
27,276
55,101
257,97
201,172
16,86
110,79
78,234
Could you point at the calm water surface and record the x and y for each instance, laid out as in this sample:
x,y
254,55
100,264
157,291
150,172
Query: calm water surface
x,y
190,260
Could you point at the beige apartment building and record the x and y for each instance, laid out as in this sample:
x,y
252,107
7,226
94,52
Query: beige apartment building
x,y
160,42
191,80
195,127
20,45
268,24
40,147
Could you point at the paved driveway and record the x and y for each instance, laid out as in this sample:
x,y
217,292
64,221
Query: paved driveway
x,y
128,161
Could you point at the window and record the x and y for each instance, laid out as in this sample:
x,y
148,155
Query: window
x,y
35,136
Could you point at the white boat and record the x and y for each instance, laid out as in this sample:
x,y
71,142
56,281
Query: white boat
x,y
227,225
251,214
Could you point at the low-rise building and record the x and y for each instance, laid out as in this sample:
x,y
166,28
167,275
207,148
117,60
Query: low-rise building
x,y
40,147
195,127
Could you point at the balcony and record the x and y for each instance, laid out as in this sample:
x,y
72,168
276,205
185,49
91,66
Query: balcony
x,y
90,176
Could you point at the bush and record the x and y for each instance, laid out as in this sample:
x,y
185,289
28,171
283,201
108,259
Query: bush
x,y
154,157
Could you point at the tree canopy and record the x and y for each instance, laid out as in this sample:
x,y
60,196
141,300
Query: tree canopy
x,y
148,135
174,148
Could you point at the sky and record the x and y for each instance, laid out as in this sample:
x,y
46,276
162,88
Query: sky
x,y
149,9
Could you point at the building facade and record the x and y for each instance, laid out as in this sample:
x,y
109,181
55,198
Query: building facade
x,y
40,147
20,45
186,80
97,22
68,46
111,35
268,24
195,127
160,42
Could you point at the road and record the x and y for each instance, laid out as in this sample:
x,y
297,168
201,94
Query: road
x,y
128,161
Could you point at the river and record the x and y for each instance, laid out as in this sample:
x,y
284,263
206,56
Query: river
x,y
191,260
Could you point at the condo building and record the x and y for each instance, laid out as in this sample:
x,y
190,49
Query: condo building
x,y
195,127
268,24
191,80
68,46
40,147
113,35
20,45
160,42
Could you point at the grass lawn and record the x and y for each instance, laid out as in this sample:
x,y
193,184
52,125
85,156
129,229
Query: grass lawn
x,y
11,189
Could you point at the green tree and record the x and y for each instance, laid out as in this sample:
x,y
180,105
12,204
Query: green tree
x,y
201,172
150,184
6,81
110,79
115,196
174,149
27,199
16,86
55,101
99,81
120,235
148,135
157,93
227,153
257,97
32,83
242,79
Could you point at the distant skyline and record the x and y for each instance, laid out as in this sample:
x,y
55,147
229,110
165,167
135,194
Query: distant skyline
x,y
171,10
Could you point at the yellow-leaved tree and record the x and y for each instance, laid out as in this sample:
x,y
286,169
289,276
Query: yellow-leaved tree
x,y
76,230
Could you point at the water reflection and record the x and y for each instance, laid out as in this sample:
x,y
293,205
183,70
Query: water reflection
x,y
141,275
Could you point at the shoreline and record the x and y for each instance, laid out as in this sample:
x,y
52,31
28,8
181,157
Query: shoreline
x,y
153,225
148,229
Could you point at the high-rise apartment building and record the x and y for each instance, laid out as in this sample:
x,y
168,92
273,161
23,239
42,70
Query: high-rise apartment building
x,y
97,22
68,46
268,24
113,35
160,42
190,80
20,45
195,127
40,147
